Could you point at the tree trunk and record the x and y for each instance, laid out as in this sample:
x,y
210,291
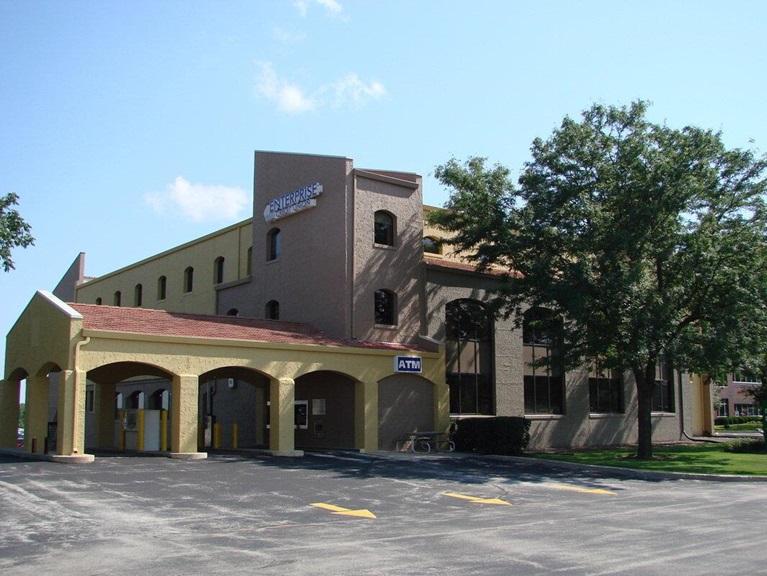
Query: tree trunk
x,y
645,384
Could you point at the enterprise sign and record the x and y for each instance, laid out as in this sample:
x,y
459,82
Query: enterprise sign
x,y
407,364
292,202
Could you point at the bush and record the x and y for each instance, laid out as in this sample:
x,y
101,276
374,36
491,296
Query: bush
x,y
747,446
729,420
497,435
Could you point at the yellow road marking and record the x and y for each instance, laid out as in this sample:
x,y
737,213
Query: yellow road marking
x,y
361,513
477,499
574,488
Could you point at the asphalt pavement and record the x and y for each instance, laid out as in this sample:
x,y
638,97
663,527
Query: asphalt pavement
x,y
347,513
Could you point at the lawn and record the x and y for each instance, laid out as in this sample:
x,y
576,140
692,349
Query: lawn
x,y
697,458
744,427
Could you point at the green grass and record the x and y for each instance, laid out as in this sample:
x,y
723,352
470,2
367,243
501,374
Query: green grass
x,y
698,458
745,427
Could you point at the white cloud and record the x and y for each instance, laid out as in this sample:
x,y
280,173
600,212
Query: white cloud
x,y
332,7
284,36
200,202
350,90
288,97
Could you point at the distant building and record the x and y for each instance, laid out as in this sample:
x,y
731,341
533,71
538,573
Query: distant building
x,y
733,398
335,317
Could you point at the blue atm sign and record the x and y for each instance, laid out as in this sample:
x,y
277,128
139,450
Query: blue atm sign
x,y
407,364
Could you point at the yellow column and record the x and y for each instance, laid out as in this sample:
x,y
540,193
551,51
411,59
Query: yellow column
x,y
235,435
140,430
184,416
216,435
70,430
105,414
163,430
441,406
366,416
37,413
9,412
282,394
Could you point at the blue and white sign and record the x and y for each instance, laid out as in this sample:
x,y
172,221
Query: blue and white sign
x,y
292,202
410,364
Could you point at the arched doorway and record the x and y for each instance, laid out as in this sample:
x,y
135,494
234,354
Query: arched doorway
x,y
325,410
128,407
233,409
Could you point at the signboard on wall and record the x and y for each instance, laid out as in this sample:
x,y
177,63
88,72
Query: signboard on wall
x,y
292,202
407,364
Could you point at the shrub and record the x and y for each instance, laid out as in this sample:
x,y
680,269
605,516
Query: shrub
x,y
747,446
497,435
729,420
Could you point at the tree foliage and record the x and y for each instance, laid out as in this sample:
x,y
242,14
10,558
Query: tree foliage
x,y
14,231
648,241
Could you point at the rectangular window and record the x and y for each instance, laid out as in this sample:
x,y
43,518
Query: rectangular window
x,y
724,407
746,410
605,392
663,395
302,414
89,399
470,393
544,384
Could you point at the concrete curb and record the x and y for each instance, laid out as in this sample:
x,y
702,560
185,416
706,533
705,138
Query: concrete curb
x,y
58,458
630,472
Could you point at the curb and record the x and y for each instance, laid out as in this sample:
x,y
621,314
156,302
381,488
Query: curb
x,y
58,458
631,472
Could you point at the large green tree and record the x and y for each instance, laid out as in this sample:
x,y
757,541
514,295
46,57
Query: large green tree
x,y
647,241
14,231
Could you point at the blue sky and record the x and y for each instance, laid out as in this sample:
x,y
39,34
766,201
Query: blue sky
x,y
128,127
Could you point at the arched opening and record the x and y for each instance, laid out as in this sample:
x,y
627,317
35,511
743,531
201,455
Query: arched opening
x,y
13,409
384,228
130,408
325,410
218,270
543,369
162,284
117,298
469,357
232,312
272,310
233,409
273,244
405,405
41,404
98,301
188,279
138,295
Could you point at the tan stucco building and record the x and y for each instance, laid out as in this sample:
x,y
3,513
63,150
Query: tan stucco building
x,y
333,318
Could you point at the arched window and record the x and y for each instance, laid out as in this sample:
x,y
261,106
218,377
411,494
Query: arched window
x,y
469,357
431,245
385,308
272,310
273,244
249,264
188,279
233,312
543,370
117,298
384,228
138,295
162,283
98,301
218,270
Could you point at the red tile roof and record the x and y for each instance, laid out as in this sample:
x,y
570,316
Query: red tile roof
x,y
462,266
164,323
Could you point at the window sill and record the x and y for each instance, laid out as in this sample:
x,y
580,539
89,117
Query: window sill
x,y
272,261
605,415
663,414
384,246
544,416
385,326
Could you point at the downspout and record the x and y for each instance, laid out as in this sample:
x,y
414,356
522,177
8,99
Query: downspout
x,y
76,353
682,432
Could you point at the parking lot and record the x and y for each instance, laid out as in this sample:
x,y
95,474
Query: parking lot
x,y
347,513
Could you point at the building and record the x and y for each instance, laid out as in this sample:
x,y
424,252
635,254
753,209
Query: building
x,y
733,397
335,317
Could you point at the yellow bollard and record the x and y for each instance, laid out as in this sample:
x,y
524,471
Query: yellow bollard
x,y
140,431
235,433
164,430
216,435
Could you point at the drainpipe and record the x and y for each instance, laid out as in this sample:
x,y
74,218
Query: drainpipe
x,y
78,345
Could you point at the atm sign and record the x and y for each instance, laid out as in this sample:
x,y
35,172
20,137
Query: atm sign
x,y
407,364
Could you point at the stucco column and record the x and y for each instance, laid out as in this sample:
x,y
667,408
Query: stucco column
x,y
184,423
37,413
105,418
9,412
366,416
70,428
282,394
441,406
